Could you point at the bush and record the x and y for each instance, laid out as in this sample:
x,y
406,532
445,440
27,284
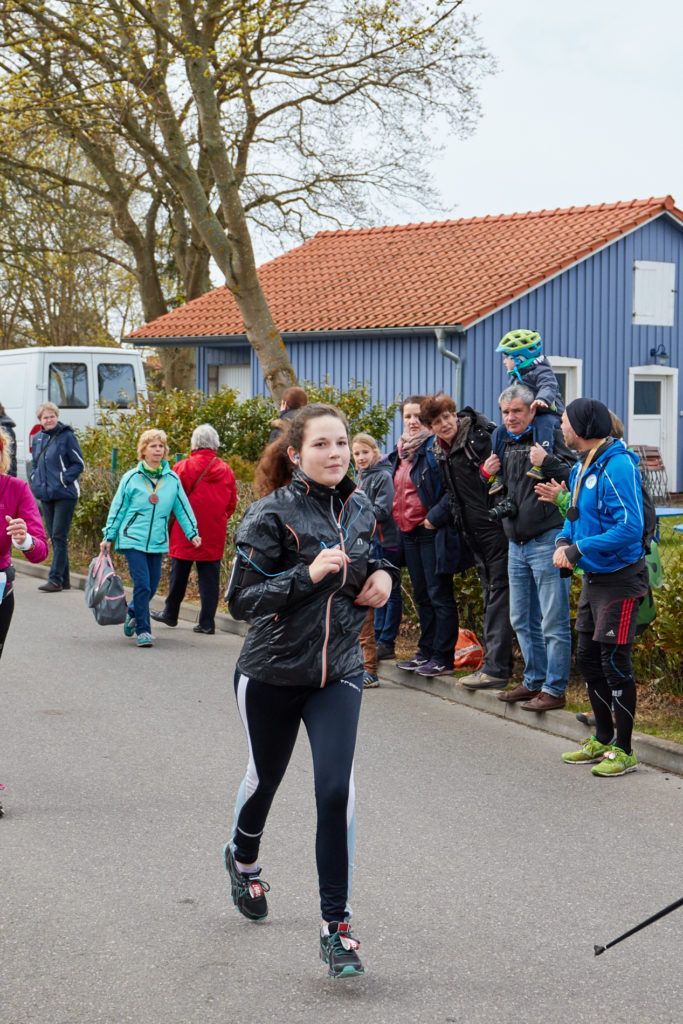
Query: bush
x,y
658,653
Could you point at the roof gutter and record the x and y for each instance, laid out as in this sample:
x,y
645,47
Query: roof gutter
x,y
223,340
441,339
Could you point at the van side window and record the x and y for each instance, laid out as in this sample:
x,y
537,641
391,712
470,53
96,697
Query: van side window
x,y
116,382
68,385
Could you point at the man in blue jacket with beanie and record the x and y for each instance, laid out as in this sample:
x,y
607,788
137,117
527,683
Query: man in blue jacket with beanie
x,y
603,536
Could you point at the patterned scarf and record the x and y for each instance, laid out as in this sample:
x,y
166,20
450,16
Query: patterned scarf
x,y
408,446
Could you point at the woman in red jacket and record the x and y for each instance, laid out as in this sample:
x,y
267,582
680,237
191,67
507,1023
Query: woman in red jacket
x,y
210,487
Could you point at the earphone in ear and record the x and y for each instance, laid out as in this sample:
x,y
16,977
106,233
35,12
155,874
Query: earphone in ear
x,y
297,458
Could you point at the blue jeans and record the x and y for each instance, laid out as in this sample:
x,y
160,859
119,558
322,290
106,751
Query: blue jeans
x,y
145,571
58,515
539,613
388,618
433,594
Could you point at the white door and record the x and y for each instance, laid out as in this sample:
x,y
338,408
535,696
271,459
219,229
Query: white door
x,y
653,396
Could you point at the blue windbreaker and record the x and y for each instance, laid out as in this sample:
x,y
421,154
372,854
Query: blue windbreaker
x,y
609,529
134,522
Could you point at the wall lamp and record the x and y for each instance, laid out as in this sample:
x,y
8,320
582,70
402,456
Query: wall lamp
x,y
660,355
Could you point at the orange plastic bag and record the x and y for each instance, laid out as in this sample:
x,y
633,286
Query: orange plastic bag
x,y
468,653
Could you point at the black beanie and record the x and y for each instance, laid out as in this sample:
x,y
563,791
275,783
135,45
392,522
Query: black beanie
x,y
589,418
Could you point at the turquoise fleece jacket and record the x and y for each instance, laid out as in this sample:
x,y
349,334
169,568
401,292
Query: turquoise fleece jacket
x,y
608,533
135,522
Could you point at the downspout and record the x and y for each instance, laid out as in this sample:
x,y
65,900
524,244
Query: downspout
x,y
447,354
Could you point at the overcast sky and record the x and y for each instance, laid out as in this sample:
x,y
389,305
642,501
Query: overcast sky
x,y
586,108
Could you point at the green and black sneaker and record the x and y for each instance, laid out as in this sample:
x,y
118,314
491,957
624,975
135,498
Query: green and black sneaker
x,y
338,949
247,890
590,751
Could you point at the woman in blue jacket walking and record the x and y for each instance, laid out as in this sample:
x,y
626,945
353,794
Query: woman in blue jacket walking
x,y
138,522
57,465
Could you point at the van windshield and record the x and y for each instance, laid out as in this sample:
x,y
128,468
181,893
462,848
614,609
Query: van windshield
x,y
68,385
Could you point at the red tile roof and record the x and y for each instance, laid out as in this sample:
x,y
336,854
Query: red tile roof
x,y
410,275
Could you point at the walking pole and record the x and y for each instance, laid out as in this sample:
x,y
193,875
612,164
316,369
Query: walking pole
x,y
643,924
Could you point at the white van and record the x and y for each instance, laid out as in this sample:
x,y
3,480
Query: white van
x,y
78,380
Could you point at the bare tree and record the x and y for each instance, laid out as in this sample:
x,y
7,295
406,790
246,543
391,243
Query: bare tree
x,y
277,112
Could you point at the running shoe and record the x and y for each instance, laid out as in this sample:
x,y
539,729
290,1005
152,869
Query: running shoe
x,y
129,625
145,640
615,762
434,667
412,663
248,891
591,750
338,950
370,681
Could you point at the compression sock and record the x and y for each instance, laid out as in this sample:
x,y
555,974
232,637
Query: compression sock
x,y
600,697
624,713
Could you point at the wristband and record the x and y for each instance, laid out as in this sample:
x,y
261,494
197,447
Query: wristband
x,y
27,544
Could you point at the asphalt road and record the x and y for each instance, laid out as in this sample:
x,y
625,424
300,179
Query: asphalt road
x,y
486,869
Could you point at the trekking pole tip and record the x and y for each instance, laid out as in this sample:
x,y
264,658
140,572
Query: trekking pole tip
x,y
599,949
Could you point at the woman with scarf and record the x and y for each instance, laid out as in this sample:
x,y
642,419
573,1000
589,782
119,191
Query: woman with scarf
x,y
138,522
431,544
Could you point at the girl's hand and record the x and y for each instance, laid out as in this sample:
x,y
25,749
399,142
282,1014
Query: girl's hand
x,y
196,542
329,560
16,528
549,491
376,590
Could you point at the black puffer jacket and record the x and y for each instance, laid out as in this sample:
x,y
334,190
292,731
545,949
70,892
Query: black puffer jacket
x,y
376,481
533,516
302,634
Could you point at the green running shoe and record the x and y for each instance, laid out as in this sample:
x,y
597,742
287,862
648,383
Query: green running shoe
x,y
590,750
615,762
129,625
338,951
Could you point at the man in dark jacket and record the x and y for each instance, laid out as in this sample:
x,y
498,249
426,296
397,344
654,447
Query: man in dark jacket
x,y
8,425
462,443
57,465
539,596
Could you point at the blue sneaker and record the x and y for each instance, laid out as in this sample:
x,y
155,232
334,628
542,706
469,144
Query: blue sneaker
x,y
129,625
145,640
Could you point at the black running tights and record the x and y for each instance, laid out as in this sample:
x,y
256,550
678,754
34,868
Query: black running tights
x,y
6,612
608,671
271,716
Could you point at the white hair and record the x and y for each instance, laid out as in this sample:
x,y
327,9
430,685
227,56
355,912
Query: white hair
x,y
204,436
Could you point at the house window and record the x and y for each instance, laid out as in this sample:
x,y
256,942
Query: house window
x,y
647,398
68,385
212,379
569,373
654,290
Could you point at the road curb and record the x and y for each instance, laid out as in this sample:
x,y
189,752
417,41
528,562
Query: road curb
x,y
651,750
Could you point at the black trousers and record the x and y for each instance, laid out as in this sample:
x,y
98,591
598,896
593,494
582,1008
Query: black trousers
x,y
208,574
495,589
6,612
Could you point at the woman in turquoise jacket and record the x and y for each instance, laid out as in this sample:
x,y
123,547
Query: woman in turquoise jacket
x,y
138,522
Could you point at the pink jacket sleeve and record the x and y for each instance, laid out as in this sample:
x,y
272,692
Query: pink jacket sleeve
x,y
28,511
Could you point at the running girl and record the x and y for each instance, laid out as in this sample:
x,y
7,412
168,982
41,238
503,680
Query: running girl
x,y
304,579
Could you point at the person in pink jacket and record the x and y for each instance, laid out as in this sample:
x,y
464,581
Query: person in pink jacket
x,y
21,526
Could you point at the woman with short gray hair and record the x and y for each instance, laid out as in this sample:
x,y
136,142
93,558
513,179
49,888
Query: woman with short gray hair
x,y
210,486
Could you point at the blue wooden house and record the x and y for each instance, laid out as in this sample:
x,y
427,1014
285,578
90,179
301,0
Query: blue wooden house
x,y
418,308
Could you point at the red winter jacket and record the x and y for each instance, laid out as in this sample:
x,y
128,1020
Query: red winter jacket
x,y
213,501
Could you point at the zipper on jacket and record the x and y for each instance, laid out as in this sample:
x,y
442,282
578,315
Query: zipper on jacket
x,y
328,607
130,523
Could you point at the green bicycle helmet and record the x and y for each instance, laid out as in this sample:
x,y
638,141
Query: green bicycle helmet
x,y
522,346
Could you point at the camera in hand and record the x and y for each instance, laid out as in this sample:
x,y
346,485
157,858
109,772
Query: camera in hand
x,y
505,509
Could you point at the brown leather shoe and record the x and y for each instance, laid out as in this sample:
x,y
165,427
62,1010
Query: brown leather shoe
x,y
518,692
544,702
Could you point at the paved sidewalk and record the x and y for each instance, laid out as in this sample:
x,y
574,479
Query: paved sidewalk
x,y
651,750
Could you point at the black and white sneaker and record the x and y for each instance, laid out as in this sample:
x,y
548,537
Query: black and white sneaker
x,y
248,891
338,949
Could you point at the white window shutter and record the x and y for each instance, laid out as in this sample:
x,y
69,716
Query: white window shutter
x,y
654,292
